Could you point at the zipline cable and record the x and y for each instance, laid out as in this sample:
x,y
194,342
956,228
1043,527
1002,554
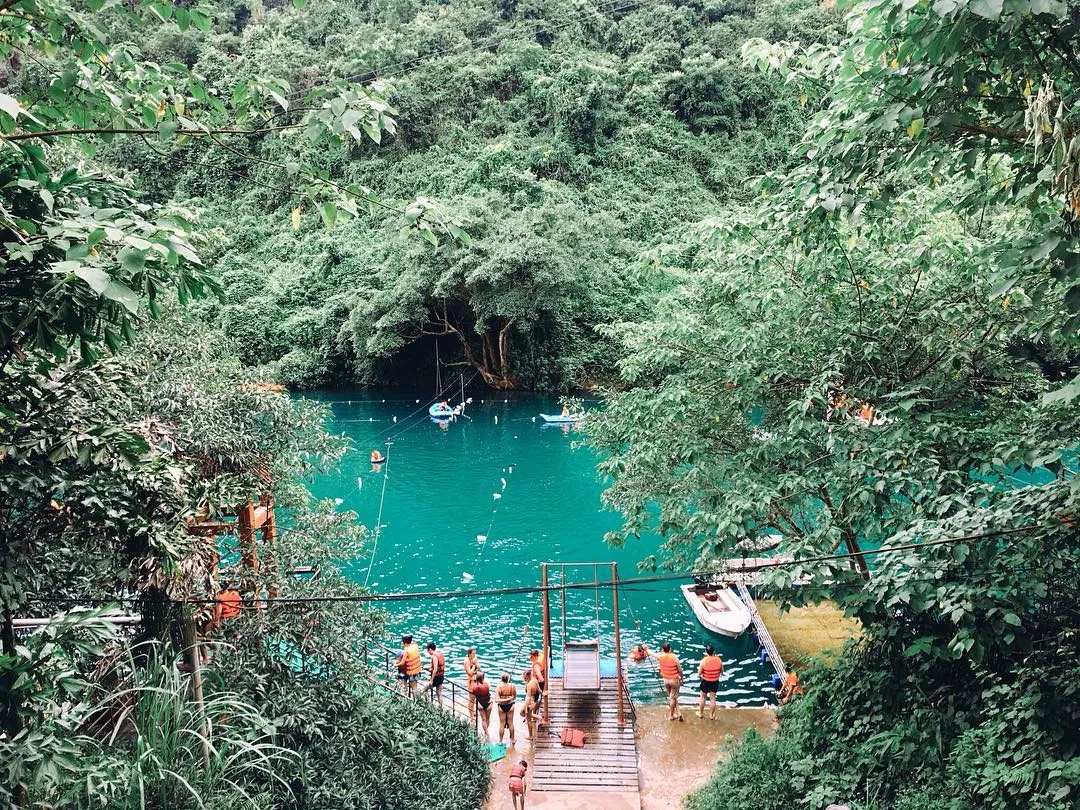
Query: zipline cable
x,y
378,522
523,589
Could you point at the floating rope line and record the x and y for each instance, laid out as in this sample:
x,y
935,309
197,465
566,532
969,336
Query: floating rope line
x,y
481,539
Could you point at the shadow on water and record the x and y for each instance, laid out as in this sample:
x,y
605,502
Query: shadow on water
x,y
442,520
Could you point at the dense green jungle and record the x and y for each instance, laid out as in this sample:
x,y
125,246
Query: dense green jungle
x,y
821,262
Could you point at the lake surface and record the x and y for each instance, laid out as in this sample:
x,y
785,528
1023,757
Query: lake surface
x,y
441,484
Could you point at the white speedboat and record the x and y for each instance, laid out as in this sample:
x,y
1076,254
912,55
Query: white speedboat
x,y
562,418
718,608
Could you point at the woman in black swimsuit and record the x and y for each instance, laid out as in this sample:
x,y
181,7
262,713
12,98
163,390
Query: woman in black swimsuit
x,y
506,695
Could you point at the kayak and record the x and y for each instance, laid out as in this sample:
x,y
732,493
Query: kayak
x,y
718,608
558,417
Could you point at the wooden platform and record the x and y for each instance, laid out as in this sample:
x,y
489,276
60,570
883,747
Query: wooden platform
x,y
609,760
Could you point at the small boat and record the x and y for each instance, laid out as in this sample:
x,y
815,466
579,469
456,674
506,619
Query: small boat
x,y
558,417
718,608
440,410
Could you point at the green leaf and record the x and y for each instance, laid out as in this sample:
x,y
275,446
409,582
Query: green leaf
x,y
10,105
167,130
97,278
1013,619
123,295
329,213
132,260
990,9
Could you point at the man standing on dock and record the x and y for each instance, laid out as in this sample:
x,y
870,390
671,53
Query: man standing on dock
x,y
671,672
409,664
709,672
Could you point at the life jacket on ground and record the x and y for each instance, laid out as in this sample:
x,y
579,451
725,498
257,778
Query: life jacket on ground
x,y
711,667
410,663
669,665
573,738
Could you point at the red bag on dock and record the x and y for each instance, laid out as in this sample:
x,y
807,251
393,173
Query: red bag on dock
x,y
573,737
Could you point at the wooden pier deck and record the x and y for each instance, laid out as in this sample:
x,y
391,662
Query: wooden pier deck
x,y
765,638
609,760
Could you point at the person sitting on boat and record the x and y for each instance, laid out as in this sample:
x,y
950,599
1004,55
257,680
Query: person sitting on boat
x,y
565,411
709,672
790,688
377,457
671,672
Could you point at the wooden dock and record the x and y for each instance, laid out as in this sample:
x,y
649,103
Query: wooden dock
x,y
765,638
609,760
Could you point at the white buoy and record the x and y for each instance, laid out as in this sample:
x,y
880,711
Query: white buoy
x,y
417,402
466,577
359,482
384,401
496,495
338,502
480,538
505,401
503,483
496,419
510,469
481,402
534,418
395,420
370,419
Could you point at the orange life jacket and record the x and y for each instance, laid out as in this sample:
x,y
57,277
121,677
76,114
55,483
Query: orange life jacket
x,y
711,667
411,660
517,778
438,663
376,456
669,665
230,604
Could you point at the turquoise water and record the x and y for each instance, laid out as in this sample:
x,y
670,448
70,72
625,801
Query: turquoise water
x,y
440,488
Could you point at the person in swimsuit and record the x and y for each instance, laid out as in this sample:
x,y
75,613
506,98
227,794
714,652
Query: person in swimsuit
x,y
539,673
506,697
481,693
472,666
532,693
517,784
437,670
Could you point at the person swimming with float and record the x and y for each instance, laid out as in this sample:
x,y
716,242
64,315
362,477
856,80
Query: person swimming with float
x,y
377,457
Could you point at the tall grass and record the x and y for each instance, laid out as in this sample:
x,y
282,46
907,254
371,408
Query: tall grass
x,y
162,750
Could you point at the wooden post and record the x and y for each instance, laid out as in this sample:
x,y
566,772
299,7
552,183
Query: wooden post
x,y
547,638
618,639
269,536
249,552
190,639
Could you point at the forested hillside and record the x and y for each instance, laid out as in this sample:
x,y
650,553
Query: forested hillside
x,y
564,137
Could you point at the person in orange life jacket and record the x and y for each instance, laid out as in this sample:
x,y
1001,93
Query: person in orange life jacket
x,y
481,692
709,672
790,687
437,670
505,697
471,666
517,784
671,672
408,663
